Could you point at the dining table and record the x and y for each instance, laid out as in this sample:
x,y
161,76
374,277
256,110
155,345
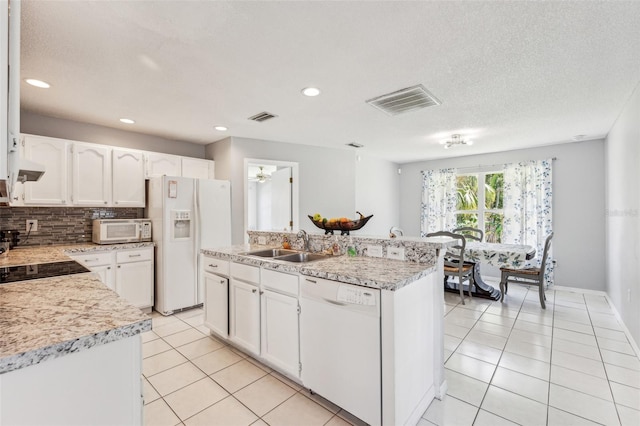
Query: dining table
x,y
496,254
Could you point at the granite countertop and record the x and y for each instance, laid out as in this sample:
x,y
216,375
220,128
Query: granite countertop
x,y
50,317
30,255
373,272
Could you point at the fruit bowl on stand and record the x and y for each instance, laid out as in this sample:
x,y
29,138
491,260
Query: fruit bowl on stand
x,y
343,224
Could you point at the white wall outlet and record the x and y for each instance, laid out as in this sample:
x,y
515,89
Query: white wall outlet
x,y
374,250
395,253
262,240
32,225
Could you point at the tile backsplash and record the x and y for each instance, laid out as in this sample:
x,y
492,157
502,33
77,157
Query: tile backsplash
x,y
60,225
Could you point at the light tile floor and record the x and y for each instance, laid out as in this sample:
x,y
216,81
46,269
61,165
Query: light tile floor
x,y
516,363
505,364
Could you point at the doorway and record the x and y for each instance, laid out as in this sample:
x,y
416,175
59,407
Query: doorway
x,y
271,195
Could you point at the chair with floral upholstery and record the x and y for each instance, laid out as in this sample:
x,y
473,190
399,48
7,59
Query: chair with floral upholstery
x,y
530,275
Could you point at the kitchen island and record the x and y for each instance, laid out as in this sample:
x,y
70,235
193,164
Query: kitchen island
x,y
404,345
70,348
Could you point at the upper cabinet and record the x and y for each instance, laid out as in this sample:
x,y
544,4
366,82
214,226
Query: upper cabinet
x,y
91,174
197,168
128,178
53,187
162,165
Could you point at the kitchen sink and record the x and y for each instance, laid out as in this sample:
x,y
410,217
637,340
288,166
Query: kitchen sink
x,y
302,257
270,252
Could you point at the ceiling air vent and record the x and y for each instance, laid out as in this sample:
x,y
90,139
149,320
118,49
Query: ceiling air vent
x,y
405,100
263,116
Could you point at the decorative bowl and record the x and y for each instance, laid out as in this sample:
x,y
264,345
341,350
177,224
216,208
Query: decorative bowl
x,y
343,227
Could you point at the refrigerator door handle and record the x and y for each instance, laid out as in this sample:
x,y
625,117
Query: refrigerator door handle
x,y
196,236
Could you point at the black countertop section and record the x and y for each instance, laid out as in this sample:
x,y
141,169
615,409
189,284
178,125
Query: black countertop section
x,y
41,270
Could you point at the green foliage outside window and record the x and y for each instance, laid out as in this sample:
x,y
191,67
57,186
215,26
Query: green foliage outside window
x,y
468,200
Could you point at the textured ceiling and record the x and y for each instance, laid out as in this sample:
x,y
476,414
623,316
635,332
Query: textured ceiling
x,y
509,74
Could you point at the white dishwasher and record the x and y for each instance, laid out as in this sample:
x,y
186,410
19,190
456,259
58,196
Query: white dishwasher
x,y
340,345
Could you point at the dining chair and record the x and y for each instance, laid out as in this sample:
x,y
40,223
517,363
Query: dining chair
x,y
470,233
454,264
530,276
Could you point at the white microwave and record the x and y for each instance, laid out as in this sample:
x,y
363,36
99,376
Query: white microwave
x,y
114,231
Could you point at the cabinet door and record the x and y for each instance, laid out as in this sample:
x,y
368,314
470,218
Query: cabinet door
x,y
197,168
162,164
244,315
134,282
127,178
91,175
52,188
216,303
280,342
106,275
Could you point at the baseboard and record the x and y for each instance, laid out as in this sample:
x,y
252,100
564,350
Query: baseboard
x,y
627,333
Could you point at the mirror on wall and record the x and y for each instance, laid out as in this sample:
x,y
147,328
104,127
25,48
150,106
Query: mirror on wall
x,y
271,195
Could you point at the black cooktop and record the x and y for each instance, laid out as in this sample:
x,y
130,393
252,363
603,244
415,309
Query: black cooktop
x,y
41,270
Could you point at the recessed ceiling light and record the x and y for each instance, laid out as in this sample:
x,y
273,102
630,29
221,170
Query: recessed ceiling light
x,y
127,120
221,128
310,91
37,83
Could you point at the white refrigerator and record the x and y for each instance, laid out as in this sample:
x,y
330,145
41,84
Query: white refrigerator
x,y
186,215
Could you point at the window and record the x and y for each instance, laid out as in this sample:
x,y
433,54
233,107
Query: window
x,y
481,208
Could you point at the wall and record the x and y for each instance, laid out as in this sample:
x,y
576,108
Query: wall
x,y
60,225
378,193
42,125
578,204
622,149
327,177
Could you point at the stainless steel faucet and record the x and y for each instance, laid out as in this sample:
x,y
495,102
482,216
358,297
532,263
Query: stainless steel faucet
x,y
394,231
305,239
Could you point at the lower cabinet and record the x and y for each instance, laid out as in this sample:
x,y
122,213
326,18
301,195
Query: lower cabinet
x,y
263,311
280,331
244,315
127,271
216,303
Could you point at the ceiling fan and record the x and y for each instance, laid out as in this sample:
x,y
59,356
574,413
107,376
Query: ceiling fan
x,y
260,176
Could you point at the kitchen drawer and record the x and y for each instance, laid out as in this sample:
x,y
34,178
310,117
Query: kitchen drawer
x,y
215,266
246,273
280,282
93,259
125,256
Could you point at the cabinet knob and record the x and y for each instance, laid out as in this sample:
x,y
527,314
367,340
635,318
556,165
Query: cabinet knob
x,y
261,292
105,202
254,290
119,266
213,266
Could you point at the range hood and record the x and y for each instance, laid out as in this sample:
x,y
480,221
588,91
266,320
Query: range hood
x,y
27,170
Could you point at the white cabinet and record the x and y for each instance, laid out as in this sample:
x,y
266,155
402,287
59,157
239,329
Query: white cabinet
x,y
280,343
127,178
158,164
102,263
216,295
244,307
83,174
198,168
134,276
279,321
129,272
53,187
91,175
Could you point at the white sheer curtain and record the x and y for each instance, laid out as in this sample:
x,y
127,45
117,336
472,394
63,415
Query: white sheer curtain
x,y
438,201
528,198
